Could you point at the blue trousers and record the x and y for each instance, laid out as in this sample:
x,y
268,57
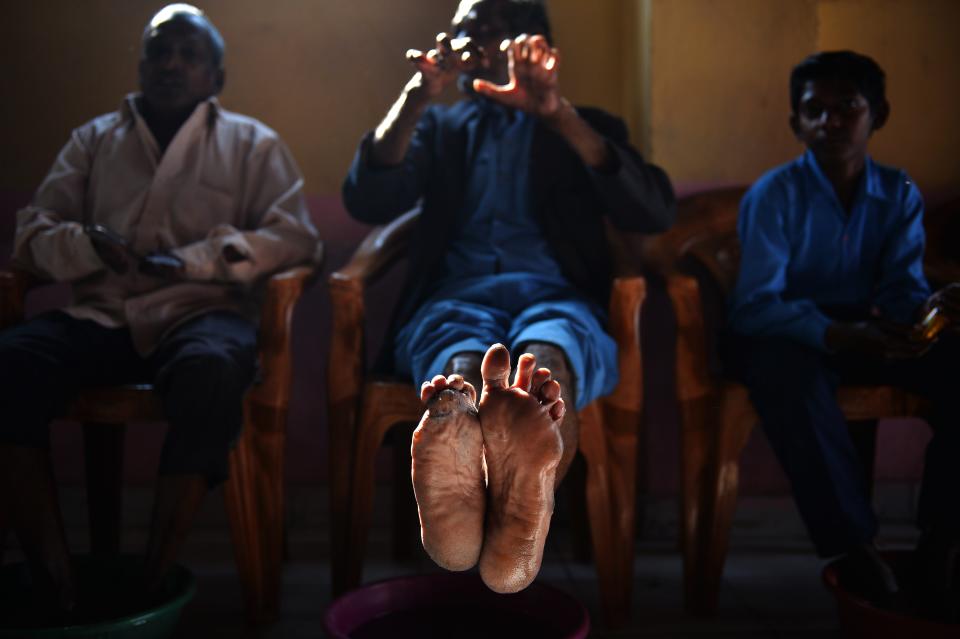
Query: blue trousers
x,y
201,371
793,388
513,309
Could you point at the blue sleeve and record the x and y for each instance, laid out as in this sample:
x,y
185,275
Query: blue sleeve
x,y
378,194
901,286
757,306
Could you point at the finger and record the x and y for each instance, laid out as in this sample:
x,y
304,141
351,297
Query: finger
x,y
495,368
415,55
444,44
491,90
552,61
525,367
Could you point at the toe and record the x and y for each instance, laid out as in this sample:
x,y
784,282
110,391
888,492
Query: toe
x,y
525,368
455,381
558,410
495,368
439,382
470,391
427,390
549,392
540,377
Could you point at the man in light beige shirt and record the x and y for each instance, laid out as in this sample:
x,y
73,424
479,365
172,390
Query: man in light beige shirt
x,y
166,217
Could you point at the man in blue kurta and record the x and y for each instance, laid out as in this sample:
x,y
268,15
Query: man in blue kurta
x,y
830,287
514,184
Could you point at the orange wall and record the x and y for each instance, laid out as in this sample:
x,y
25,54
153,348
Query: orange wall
x,y
321,73
719,71
701,82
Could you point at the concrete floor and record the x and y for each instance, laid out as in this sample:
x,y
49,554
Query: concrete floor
x,y
771,585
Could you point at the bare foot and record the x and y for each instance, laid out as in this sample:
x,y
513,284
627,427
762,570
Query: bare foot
x,y
447,472
522,449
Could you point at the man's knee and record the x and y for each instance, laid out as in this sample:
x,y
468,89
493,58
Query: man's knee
x,y
782,367
30,394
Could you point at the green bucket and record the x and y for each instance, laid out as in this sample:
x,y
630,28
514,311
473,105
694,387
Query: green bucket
x,y
105,610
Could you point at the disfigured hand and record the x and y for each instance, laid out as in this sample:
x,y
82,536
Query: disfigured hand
x,y
164,266
440,66
880,340
112,249
534,77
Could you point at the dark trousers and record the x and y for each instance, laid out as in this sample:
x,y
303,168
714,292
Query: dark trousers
x,y
201,372
793,388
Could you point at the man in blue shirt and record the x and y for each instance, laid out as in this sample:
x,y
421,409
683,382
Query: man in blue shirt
x,y
514,185
830,285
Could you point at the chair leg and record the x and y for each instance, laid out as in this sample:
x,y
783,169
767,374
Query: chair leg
x,y
254,498
103,452
712,445
575,487
610,502
373,426
406,523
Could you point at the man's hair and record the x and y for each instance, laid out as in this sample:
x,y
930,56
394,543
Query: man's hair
x,y
521,16
190,13
528,16
845,66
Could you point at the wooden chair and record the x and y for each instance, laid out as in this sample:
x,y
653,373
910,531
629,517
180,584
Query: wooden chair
x,y
715,413
362,409
254,492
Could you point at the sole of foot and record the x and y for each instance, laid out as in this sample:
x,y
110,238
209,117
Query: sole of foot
x,y
522,449
447,473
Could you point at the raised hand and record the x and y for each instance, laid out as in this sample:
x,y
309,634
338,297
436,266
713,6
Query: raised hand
x,y
534,77
440,66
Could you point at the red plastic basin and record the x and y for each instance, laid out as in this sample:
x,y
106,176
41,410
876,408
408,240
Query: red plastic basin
x,y
454,605
861,619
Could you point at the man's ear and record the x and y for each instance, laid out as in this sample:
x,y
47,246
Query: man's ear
x,y
880,115
795,125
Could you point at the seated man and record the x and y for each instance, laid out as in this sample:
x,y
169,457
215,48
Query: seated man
x,y
830,282
166,217
514,185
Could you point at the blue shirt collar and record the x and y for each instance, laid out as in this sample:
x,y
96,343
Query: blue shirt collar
x,y
870,186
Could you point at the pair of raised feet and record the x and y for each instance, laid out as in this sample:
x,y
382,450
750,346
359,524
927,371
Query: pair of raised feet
x,y
484,472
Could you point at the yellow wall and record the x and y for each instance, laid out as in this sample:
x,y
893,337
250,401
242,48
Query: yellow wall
x,y
703,83
321,73
719,72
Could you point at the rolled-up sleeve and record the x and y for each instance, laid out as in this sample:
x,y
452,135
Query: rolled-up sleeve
x,y
758,307
50,240
377,194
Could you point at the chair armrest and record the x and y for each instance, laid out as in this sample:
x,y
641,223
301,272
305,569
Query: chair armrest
x,y
382,247
693,375
273,343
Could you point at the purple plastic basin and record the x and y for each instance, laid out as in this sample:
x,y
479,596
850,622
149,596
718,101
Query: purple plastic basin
x,y
861,619
454,605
